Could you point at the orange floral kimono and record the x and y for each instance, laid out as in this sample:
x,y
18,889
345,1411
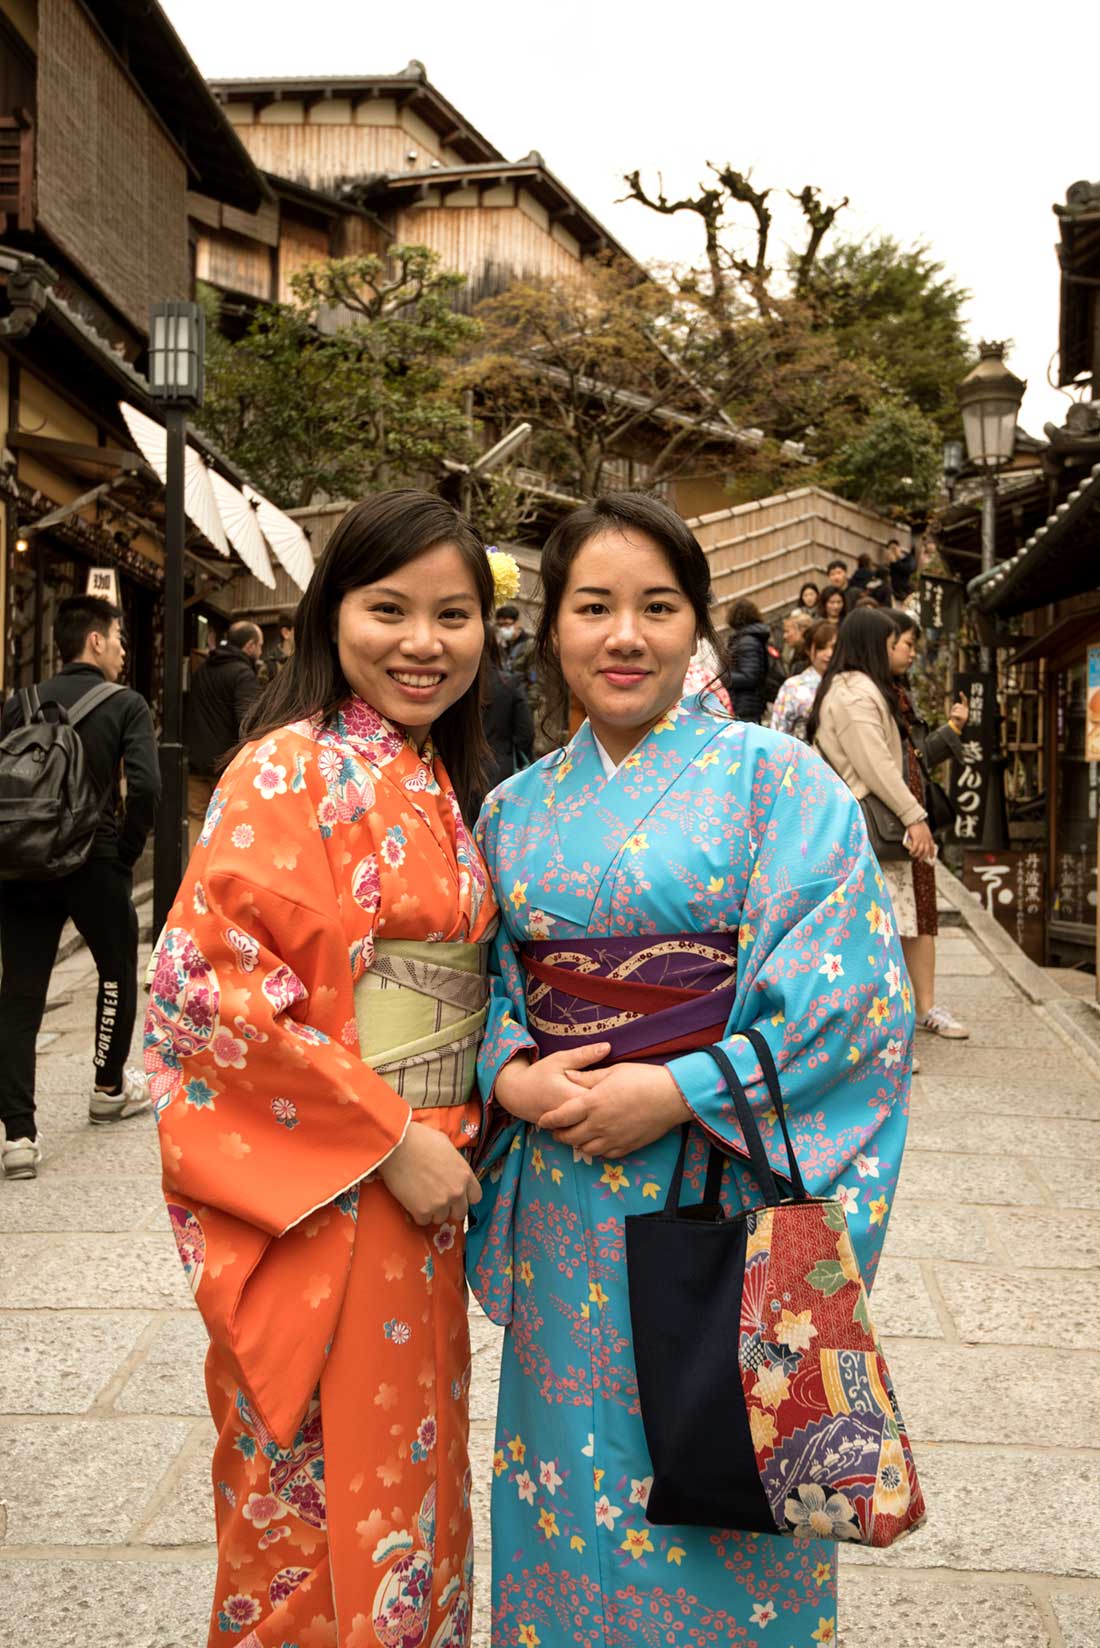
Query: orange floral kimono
x,y
338,1368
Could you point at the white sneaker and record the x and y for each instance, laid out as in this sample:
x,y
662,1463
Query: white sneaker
x,y
134,1099
21,1158
939,1022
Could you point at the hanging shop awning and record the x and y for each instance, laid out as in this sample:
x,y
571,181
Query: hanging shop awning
x,y
226,514
1060,559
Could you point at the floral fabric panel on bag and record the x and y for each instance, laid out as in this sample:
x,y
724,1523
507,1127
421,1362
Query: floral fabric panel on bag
x,y
830,1443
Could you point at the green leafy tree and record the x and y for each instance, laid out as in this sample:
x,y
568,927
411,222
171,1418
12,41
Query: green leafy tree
x,y
891,462
895,310
347,388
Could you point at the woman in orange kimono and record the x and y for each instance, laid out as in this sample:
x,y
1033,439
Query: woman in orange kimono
x,y
311,1036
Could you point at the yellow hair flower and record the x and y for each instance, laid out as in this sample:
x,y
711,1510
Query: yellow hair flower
x,y
505,570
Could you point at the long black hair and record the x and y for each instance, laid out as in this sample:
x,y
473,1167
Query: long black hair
x,y
860,645
615,511
376,537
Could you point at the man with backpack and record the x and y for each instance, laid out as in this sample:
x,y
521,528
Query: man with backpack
x,y
66,851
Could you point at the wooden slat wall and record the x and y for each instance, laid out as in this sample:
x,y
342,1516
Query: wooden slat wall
x,y
489,245
234,264
768,549
299,246
112,188
322,154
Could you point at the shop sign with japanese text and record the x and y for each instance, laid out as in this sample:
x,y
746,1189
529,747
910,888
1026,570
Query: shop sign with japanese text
x,y
941,605
973,777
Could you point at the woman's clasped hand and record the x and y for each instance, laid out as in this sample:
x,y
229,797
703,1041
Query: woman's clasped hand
x,y
607,1113
430,1178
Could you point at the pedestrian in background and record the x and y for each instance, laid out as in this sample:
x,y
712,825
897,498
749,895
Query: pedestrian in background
x,y
834,606
901,567
809,599
97,897
223,690
747,659
517,652
869,579
281,649
795,698
796,627
837,574
913,886
509,730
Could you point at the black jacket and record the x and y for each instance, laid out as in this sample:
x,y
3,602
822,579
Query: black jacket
x,y
746,670
222,691
509,725
902,572
873,581
120,730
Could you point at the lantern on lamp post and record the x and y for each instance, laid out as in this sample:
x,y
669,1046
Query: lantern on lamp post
x,y
989,400
177,339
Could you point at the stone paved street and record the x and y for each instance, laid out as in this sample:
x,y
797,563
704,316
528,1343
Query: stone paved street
x,y
988,1297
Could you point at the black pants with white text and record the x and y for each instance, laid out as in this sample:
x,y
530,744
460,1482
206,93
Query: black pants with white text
x,y
97,897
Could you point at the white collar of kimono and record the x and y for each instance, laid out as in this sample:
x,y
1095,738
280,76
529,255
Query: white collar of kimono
x,y
610,767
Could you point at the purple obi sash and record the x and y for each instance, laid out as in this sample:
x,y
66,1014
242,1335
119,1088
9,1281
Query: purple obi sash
x,y
650,997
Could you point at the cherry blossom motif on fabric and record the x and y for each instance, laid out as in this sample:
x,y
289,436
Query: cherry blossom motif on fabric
x,y
830,1443
297,1474
182,1018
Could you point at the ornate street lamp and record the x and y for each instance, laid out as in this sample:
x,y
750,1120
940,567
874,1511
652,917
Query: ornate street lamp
x,y
989,400
177,340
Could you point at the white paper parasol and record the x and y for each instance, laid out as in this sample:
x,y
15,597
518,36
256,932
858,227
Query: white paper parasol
x,y
288,542
198,494
239,517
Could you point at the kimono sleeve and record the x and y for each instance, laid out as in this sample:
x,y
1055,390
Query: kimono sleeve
x,y
489,1262
506,1028
822,976
265,1111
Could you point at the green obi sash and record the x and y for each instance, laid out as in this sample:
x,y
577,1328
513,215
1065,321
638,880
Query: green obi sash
x,y
420,1010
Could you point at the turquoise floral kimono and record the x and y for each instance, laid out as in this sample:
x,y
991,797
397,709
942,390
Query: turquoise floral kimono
x,y
710,827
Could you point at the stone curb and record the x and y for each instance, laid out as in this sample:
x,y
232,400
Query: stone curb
x,y
1076,1020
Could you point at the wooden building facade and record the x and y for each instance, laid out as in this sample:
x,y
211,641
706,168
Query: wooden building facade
x,y
105,127
1041,606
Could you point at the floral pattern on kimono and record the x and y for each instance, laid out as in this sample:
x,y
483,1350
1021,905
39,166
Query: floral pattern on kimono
x,y
339,1363
708,826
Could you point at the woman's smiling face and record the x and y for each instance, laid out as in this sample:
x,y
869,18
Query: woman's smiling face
x,y
625,634
410,645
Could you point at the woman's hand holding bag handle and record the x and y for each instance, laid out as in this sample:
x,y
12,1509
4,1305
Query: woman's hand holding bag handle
x,y
766,1403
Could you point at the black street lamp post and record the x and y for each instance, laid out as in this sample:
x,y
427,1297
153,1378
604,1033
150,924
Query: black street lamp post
x,y
176,348
989,400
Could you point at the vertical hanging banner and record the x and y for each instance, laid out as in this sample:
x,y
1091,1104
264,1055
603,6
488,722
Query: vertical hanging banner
x,y
1092,706
941,605
973,777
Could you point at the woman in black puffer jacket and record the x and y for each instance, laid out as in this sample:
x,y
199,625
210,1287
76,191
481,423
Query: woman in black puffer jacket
x,y
746,659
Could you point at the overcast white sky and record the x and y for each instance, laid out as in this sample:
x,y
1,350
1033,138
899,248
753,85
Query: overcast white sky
x,y
954,123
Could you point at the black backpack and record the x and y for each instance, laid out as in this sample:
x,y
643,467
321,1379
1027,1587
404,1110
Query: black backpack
x,y
48,805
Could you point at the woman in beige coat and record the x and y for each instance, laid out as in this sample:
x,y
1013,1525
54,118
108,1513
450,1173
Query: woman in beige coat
x,y
858,724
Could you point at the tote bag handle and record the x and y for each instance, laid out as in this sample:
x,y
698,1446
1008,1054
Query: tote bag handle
x,y
758,1157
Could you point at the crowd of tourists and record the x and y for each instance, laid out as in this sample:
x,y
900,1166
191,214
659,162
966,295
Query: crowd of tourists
x,y
432,1003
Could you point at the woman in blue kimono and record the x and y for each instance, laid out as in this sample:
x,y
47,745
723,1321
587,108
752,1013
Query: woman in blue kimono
x,y
669,879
